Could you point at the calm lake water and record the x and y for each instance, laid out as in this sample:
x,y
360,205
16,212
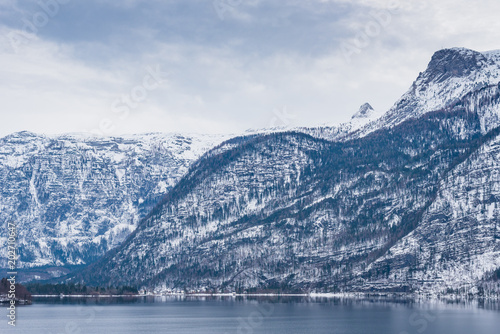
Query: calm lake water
x,y
285,315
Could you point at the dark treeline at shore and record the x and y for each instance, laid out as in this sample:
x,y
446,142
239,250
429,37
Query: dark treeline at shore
x,y
21,292
78,289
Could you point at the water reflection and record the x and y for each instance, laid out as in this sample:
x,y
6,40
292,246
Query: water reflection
x,y
256,315
486,304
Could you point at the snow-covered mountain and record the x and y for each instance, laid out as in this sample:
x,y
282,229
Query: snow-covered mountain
x,y
73,197
338,132
405,201
450,75
457,240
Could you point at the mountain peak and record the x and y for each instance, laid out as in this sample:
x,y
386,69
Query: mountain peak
x,y
453,62
25,134
365,111
22,135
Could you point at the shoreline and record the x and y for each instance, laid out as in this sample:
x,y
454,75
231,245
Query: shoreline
x,y
350,295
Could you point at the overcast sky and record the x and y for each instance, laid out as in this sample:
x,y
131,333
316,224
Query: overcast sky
x,y
219,66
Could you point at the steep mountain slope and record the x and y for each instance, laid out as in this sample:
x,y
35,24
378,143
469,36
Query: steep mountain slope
x,y
458,239
73,197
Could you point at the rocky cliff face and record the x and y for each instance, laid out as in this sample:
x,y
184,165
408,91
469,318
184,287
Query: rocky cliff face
x,y
74,197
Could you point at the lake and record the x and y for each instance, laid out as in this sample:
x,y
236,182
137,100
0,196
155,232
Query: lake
x,y
276,315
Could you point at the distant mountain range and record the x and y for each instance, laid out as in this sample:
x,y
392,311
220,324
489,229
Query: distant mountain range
x,y
73,197
407,200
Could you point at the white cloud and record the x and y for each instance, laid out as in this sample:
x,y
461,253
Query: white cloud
x,y
235,80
